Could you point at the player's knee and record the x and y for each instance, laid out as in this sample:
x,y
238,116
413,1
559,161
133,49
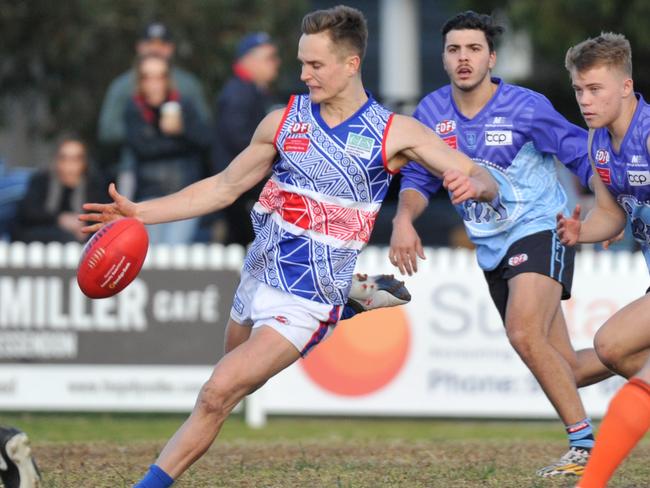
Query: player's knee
x,y
609,353
520,341
214,399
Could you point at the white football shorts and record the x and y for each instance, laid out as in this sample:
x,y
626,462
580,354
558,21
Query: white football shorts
x,y
302,322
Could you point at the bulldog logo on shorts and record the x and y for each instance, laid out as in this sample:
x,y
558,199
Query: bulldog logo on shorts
x,y
518,259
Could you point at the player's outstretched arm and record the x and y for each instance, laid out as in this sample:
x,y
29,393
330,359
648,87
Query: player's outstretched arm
x,y
605,221
205,196
408,139
405,243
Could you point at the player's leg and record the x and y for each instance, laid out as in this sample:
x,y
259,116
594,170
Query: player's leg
x,y
533,302
626,422
585,364
256,360
623,342
236,334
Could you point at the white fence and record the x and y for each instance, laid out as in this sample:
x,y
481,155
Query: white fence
x,y
444,354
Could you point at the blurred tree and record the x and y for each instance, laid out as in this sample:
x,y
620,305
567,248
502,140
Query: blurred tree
x,y
57,58
554,25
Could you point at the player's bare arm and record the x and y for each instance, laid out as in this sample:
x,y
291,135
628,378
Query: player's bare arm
x,y
408,139
405,243
605,221
200,198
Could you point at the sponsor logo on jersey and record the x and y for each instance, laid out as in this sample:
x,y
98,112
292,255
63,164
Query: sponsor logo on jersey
x,y
498,138
602,156
445,127
605,175
638,178
471,137
518,259
499,121
359,146
300,128
451,141
296,144
637,160
282,319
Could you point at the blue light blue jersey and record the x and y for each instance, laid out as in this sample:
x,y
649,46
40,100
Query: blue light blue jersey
x,y
627,173
515,136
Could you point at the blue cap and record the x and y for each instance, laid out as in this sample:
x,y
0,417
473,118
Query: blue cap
x,y
251,41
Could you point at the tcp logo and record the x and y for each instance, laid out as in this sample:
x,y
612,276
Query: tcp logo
x,y
602,156
638,178
445,127
498,138
363,354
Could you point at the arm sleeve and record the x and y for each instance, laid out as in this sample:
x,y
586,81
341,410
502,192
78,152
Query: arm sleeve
x,y
553,134
415,177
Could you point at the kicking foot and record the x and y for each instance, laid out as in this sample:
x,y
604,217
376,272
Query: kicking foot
x,y
378,291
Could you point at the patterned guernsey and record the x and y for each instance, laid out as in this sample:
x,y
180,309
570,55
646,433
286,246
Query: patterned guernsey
x,y
626,173
317,210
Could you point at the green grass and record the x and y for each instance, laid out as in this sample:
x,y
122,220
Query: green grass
x,y
113,450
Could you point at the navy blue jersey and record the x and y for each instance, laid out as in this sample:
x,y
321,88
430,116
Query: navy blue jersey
x,y
626,173
516,137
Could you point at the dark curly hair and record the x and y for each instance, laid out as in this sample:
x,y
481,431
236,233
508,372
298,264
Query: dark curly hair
x,y
473,21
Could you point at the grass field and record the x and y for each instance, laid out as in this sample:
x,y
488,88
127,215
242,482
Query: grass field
x,y
97,451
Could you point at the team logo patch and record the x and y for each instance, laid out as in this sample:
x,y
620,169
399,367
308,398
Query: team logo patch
x,y
471,137
605,175
300,128
638,178
451,141
445,127
518,259
498,138
296,144
602,156
359,146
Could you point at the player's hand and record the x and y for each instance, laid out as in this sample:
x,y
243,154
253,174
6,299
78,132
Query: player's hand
x,y
461,186
616,238
405,247
568,229
103,213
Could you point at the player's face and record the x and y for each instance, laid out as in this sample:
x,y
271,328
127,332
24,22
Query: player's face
x,y
326,72
600,92
467,58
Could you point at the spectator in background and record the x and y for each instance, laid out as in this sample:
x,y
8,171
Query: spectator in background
x,y
240,107
167,138
155,39
48,210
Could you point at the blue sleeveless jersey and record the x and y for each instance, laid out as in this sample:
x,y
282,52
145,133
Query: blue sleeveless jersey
x,y
627,173
317,210
515,137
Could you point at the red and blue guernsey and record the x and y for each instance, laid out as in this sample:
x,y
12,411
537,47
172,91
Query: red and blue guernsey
x,y
317,210
626,173
516,137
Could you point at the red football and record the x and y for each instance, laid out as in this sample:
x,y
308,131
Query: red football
x,y
112,258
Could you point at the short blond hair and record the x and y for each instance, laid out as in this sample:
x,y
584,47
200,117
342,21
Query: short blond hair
x,y
608,49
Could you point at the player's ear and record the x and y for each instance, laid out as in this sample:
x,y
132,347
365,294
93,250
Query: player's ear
x,y
353,62
628,87
493,60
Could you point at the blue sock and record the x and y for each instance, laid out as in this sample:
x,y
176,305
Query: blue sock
x,y
581,434
348,312
155,478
